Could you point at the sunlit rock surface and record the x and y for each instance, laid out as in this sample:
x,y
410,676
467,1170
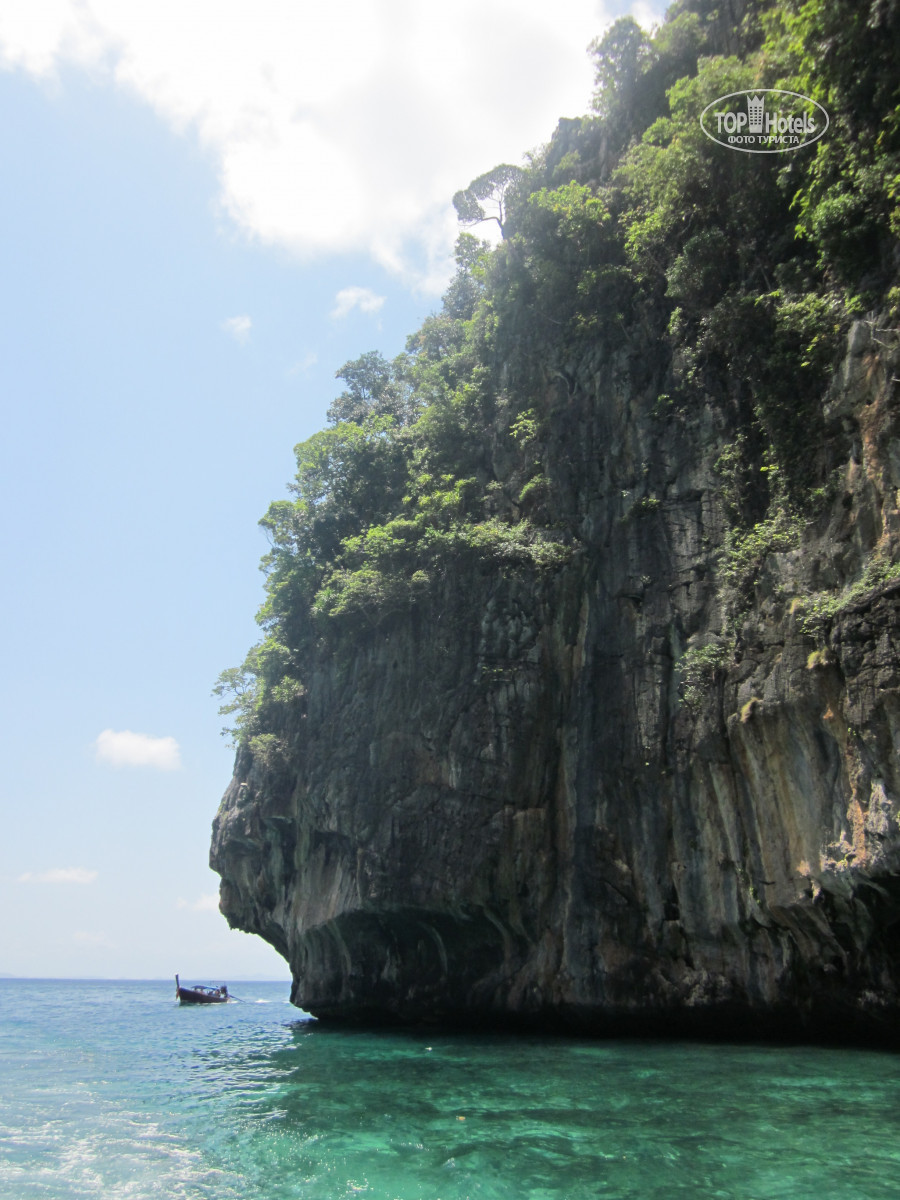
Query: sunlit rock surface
x,y
499,807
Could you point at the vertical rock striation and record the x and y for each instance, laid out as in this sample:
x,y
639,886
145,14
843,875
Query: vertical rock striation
x,y
516,803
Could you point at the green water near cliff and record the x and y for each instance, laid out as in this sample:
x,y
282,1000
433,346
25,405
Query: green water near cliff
x,y
110,1090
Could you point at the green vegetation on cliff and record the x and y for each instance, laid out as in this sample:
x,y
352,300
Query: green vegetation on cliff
x,y
747,269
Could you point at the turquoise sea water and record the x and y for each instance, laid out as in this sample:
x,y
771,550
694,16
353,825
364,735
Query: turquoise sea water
x,y
111,1090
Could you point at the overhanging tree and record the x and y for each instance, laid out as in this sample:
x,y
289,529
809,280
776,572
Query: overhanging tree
x,y
485,199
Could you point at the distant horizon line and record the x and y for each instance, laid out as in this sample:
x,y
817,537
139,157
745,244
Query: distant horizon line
x,y
130,978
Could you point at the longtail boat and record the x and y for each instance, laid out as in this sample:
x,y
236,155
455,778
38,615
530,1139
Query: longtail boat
x,y
201,993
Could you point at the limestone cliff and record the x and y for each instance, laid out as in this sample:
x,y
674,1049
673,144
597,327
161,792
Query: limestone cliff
x,y
501,805
580,698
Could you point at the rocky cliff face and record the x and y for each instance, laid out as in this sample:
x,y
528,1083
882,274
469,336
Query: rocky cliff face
x,y
618,795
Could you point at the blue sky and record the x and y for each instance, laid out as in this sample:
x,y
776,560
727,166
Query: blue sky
x,y
187,256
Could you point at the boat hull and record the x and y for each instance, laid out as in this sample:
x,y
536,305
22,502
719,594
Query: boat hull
x,y
202,994
190,996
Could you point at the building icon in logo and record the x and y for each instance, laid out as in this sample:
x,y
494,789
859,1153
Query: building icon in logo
x,y
755,106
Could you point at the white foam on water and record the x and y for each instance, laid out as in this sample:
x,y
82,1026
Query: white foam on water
x,y
124,1157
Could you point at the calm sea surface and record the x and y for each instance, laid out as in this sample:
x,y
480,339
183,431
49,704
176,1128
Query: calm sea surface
x,y
111,1090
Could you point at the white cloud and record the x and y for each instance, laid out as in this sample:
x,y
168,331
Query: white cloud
x,y
59,875
309,359
362,298
207,903
239,328
335,127
127,749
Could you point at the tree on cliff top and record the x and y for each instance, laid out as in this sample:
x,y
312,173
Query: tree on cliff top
x,y
375,387
620,58
493,187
